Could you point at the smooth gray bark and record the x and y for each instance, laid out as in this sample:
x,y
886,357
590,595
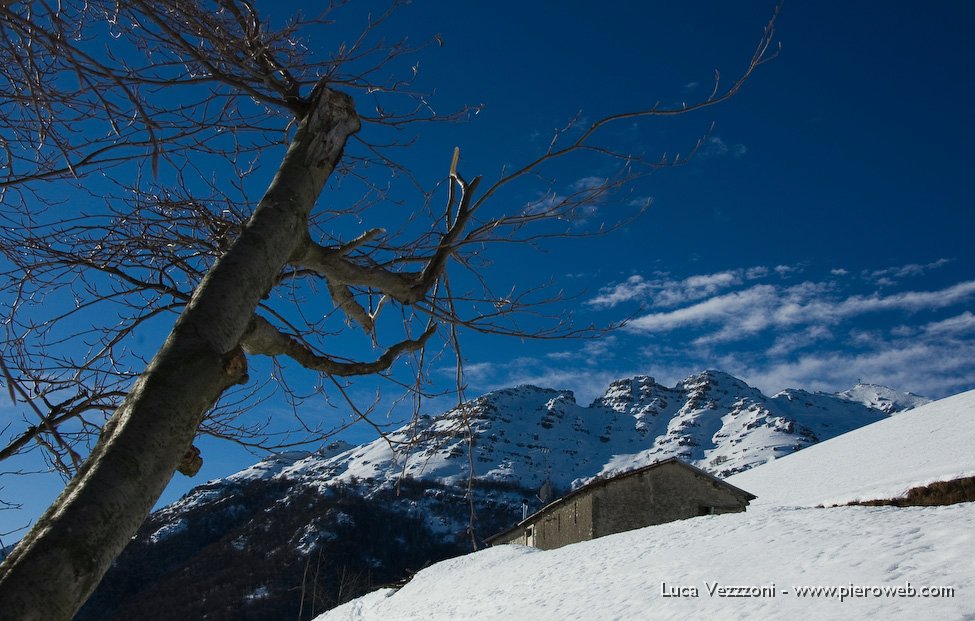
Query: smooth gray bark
x,y
61,560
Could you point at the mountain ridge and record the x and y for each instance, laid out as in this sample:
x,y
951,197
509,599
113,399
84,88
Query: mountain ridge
x,y
527,434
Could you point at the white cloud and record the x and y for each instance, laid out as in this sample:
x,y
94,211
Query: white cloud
x,y
632,288
929,363
667,292
934,360
959,324
759,271
903,330
642,202
761,307
816,334
588,183
788,343
594,351
934,368
587,382
908,300
544,203
598,350
715,146
751,309
672,293
579,199
476,371
889,276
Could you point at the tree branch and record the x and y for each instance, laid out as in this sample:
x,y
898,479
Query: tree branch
x,y
264,338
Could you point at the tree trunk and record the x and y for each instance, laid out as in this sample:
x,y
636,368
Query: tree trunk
x,y
61,560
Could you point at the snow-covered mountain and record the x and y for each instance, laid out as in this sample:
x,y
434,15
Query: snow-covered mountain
x,y
527,434
442,483
790,555
883,398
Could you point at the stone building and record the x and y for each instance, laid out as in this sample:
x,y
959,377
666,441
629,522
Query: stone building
x,y
661,492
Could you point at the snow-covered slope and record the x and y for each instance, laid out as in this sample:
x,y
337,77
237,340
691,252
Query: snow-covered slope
x,y
934,442
780,545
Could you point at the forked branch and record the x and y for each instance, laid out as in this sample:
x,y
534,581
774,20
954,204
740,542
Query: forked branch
x,y
263,338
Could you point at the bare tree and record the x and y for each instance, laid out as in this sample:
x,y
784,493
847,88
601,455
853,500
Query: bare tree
x,y
129,138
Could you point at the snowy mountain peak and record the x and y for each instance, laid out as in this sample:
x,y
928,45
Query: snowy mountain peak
x,y
883,398
623,392
711,377
505,398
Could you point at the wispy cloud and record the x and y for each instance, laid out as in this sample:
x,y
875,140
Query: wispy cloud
x,y
889,276
963,324
633,288
544,203
786,344
588,183
773,330
579,199
934,365
821,334
592,352
695,288
666,292
587,381
934,359
749,311
741,314
715,146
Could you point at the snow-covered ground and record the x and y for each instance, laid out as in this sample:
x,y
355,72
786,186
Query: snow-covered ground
x,y
935,442
870,562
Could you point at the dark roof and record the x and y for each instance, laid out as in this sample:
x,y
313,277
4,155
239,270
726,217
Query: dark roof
x,y
598,482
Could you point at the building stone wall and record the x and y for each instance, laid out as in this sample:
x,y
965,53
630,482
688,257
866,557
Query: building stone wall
x,y
661,493
568,522
665,494
560,524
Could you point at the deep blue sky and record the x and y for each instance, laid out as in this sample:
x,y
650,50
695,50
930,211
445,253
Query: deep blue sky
x,y
821,236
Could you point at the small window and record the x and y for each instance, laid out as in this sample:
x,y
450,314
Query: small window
x,y
705,510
